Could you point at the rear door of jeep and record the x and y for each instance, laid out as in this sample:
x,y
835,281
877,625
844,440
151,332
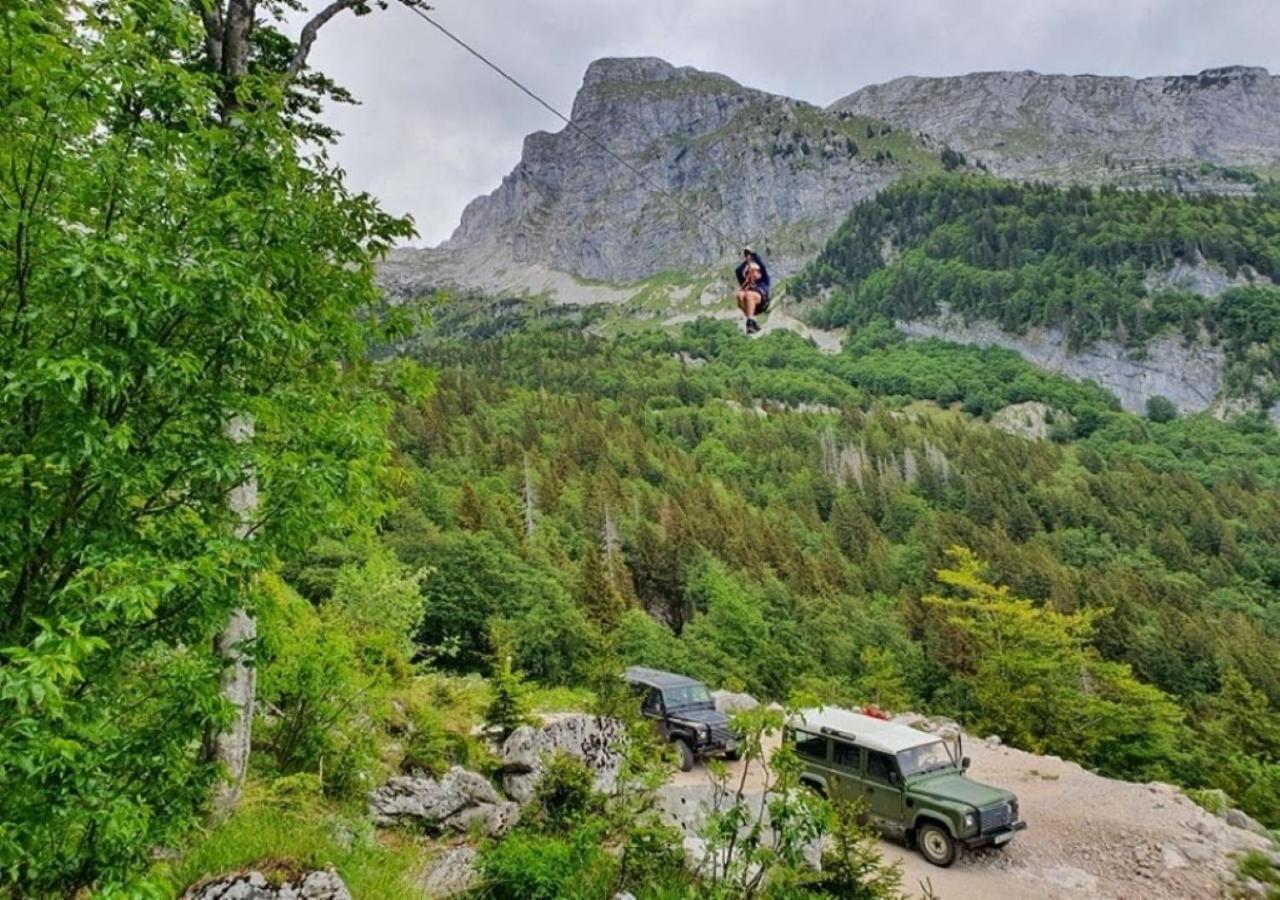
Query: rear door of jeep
x,y
882,789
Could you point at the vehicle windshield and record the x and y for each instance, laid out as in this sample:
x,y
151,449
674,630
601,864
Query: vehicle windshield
x,y
689,695
925,758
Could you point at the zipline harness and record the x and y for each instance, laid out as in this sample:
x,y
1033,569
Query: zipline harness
x,y
420,9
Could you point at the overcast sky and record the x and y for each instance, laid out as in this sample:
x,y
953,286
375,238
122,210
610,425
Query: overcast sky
x,y
435,128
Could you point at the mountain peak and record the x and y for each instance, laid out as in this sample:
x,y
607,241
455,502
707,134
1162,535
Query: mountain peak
x,y
628,69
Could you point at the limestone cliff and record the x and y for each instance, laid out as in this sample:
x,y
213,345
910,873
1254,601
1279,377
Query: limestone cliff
x,y
1090,127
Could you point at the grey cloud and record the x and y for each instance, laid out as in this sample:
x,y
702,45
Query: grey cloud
x,y
435,128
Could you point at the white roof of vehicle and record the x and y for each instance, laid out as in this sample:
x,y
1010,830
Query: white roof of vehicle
x,y
865,731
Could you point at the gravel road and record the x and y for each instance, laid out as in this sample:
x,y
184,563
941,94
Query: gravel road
x,y
1086,836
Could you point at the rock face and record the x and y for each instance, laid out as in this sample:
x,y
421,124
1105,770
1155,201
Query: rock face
x,y
451,873
783,174
758,167
730,702
593,739
1190,376
255,886
1106,128
460,801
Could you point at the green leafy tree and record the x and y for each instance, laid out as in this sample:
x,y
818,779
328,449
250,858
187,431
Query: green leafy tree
x,y
1035,680
1161,409
851,863
166,266
508,707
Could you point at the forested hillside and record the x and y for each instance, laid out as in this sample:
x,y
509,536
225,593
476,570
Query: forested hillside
x,y
764,516
1093,262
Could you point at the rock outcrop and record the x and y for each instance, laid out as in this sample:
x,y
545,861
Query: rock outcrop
x,y
783,173
253,885
1091,127
460,801
1189,375
452,873
731,702
593,739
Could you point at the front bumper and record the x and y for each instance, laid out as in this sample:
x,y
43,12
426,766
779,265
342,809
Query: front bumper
x,y
994,838
716,748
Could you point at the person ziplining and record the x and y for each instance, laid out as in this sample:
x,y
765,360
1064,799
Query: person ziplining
x,y
752,273
753,287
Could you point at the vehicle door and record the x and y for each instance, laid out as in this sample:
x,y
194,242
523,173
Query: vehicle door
x,y
882,788
652,708
814,751
846,763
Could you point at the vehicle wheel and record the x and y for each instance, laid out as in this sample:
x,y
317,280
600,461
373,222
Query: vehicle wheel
x,y
814,788
687,759
936,845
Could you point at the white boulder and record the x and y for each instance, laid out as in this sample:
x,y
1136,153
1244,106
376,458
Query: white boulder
x,y
594,740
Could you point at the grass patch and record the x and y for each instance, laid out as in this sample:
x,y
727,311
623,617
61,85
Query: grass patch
x,y
560,699
283,831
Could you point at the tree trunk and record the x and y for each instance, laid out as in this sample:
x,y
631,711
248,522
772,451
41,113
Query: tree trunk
x,y
239,678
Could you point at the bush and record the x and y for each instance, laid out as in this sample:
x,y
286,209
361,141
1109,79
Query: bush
x,y
1161,409
529,866
566,793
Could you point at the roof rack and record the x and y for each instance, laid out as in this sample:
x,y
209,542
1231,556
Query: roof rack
x,y
836,732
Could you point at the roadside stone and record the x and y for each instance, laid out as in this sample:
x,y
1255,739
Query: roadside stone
x,y
1197,853
993,741
730,702
455,802
912,720
451,873
253,885
1238,818
593,739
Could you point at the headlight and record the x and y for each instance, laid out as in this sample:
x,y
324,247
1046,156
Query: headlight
x,y
970,821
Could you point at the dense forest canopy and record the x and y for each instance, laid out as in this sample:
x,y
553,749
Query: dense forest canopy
x,y
763,515
1096,263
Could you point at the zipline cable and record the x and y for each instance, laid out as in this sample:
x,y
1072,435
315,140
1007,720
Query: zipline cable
x,y
420,9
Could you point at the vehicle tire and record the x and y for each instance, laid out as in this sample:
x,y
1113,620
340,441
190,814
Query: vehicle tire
x,y
814,788
687,759
936,845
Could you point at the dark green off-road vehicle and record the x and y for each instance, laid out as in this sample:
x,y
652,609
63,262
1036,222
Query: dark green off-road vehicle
x,y
914,784
684,714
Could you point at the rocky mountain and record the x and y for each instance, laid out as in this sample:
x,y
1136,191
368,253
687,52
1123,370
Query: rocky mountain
x,y
746,166
1089,127
570,220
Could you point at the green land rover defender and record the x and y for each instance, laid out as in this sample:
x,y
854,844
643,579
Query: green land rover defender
x,y
914,784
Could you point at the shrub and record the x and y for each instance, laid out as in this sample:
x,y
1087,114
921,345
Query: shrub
x,y
566,793
529,866
1161,409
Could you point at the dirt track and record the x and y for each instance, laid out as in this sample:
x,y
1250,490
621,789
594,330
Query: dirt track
x,y
1086,836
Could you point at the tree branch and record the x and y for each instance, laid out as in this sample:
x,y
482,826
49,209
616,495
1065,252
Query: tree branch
x,y
210,13
312,28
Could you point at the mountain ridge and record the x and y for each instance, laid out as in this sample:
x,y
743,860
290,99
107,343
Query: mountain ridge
x,y
570,221
1090,127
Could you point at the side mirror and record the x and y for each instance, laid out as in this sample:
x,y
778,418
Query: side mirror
x,y
964,763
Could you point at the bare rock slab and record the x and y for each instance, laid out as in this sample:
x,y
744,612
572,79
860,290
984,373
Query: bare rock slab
x,y
253,885
460,801
595,740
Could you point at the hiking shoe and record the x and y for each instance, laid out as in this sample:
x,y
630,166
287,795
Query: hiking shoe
x,y
752,326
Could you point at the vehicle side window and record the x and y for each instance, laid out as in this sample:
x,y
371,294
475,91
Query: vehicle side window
x,y
846,755
811,745
880,765
652,701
